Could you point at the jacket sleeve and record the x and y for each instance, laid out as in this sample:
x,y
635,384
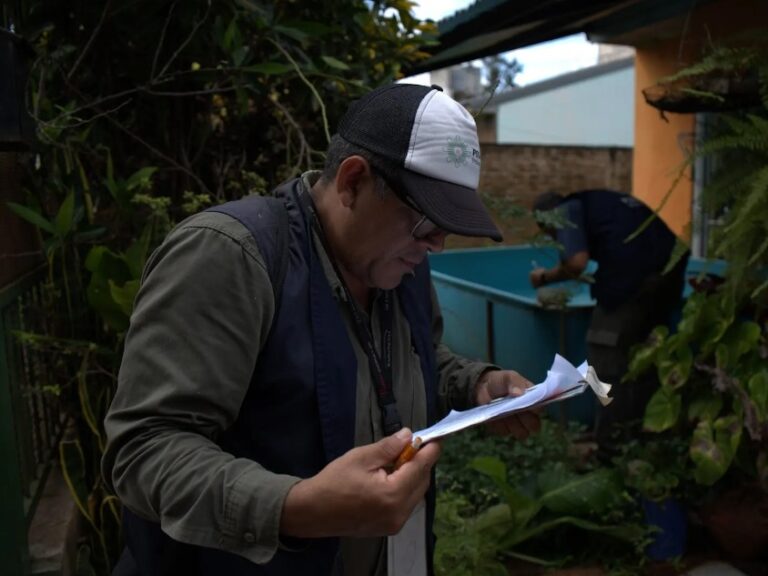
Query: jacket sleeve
x,y
457,375
200,319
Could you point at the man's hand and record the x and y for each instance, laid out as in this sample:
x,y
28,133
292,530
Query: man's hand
x,y
501,383
538,277
357,495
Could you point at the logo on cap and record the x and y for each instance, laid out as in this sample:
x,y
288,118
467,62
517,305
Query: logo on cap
x,y
458,151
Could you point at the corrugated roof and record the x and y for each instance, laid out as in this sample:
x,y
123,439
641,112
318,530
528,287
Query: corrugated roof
x,y
489,27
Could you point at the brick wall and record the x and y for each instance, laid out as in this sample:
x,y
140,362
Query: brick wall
x,y
516,174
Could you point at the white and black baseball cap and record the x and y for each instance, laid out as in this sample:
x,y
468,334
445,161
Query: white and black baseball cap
x,y
429,145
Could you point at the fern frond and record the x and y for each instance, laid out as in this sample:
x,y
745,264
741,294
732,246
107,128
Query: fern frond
x,y
679,250
703,94
758,290
730,183
759,184
752,142
721,58
762,82
758,254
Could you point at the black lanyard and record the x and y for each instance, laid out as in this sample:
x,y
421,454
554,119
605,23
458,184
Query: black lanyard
x,y
379,365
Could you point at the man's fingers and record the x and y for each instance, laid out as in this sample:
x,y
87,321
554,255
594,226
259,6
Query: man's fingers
x,y
520,425
530,421
385,452
506,383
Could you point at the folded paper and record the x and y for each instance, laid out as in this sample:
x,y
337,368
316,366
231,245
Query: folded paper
x,y
563,381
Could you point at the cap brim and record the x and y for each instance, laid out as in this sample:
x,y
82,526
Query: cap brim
x,y
454,208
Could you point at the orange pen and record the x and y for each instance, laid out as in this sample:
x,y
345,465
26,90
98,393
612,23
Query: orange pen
x,y
408,452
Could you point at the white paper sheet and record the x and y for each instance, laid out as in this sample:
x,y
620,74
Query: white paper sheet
x,y
563,381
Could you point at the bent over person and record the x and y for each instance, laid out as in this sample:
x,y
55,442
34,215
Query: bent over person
x,y
632,291
282,350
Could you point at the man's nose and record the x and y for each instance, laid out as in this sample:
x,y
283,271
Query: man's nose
x,y
435,242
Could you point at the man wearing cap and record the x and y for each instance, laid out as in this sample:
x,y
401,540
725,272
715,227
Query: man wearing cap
x,y
258,413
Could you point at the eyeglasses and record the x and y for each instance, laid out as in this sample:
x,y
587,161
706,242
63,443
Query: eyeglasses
x,y
424,229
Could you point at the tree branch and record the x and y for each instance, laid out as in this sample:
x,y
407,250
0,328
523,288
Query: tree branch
x,y
187,40
309,84
91,39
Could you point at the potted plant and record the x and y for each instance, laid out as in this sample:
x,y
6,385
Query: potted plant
x,y
655,471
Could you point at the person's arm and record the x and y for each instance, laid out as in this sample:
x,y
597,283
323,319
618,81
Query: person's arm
x,y
575,248
201,316
567,269
464,383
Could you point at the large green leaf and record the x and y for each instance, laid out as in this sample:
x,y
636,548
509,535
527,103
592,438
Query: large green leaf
x,y
740,338
713,448
101,300
522,507
232,36
674,367
125,295
111,526
706,406
579,494
662,410
136,255
141,179
335,63
308,27
292,32
65,217
73,467
492,467
644,356
757,386
90,233
239,55
493,517
101,261
32,216
711,324
626,532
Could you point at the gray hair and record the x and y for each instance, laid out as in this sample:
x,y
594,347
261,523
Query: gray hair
x,y
339,150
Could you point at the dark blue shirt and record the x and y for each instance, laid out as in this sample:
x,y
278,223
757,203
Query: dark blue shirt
x,y
602,222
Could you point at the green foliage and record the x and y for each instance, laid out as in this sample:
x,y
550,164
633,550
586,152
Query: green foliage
x,y
712,369
705,370
532,516
551,445
538,501
655,468
464,546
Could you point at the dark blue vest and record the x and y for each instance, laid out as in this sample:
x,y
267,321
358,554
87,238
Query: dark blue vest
x,y
299,411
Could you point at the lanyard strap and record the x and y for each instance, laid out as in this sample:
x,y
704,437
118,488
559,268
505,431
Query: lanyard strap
x,y
379,365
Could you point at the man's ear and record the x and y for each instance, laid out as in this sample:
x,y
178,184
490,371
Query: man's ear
x,y
353,172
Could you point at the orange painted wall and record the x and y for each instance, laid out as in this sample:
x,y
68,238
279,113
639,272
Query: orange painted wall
x,y
661,146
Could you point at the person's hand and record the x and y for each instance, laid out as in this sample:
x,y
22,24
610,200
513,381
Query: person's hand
x,y
498,384
358,495
538,277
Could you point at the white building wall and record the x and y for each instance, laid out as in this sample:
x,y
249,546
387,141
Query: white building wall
x,y
597,111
